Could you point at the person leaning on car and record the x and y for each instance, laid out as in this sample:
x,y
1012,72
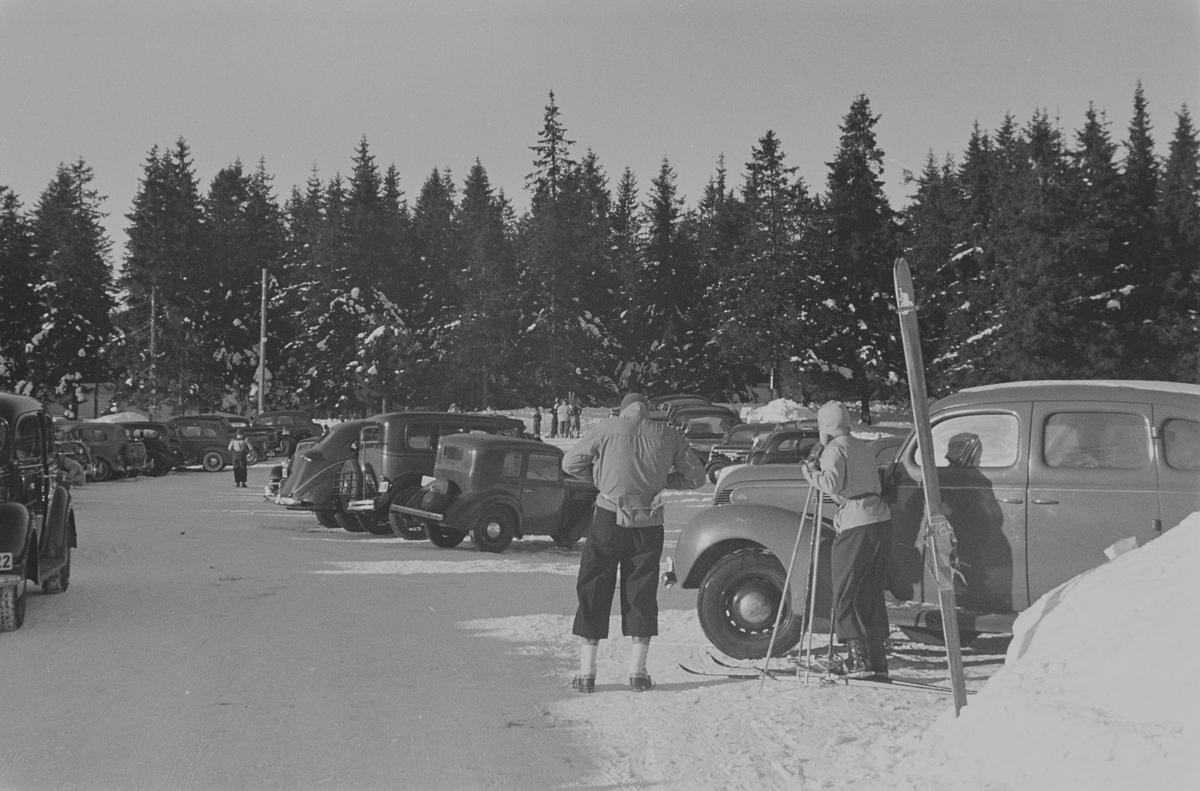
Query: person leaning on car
x,y
859,560
631,460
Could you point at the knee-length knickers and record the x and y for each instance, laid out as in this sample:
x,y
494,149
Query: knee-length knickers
x,y
634,553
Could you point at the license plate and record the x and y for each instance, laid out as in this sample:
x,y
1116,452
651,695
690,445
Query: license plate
x,y
6,561
427,479
383,486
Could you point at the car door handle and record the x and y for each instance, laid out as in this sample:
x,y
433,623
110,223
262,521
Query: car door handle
x,y
1045,502
1014,500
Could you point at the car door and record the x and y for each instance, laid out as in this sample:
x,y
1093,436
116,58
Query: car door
x,y
1178,454
980,456
30,453
543,494
1092,482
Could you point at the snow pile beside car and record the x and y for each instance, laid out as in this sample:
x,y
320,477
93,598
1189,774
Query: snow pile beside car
x,y
1100,687
778,411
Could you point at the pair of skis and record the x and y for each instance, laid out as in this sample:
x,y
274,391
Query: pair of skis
x,y
746,673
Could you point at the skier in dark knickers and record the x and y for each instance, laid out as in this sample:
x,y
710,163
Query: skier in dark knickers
x,y
859,559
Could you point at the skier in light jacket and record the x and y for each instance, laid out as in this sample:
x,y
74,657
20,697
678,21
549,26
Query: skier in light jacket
x,y
859,560
631,460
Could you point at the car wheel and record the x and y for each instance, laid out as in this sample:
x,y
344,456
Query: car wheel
x,y
931,636
567,539
714,469
444,537
495,530
348,522
375,523
213,461
12,605
104,471
408,527
327,520
155,467
59,580
252,457
738,603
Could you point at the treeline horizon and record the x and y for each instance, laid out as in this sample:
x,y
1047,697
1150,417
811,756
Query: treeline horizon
x,y
1036,253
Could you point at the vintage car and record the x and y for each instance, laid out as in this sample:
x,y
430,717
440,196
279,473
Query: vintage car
x,y
735,446
784,445
497,488
115,454
281,471
164,449
37,518
311,480
703,426
287,428
1037,480
394,451
205,440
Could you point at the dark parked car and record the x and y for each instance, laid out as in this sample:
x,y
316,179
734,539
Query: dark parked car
x,y
499,488
785,445
164,449
703,426
205,440
311,482
735,446
288,427
1037,479
37,518
280,472
115,454
393,453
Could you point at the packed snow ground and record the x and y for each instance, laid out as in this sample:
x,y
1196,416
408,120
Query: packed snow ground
x,y
1096,691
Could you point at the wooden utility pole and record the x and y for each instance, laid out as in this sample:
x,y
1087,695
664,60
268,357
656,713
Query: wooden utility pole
x,y
262,347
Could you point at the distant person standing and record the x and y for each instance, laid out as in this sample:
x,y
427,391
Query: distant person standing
x,y
575,412
564,418
631,460
240,446
554,420
537,422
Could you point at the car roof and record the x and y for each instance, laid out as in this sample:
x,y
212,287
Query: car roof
x,y
1116,390
12,405
449,417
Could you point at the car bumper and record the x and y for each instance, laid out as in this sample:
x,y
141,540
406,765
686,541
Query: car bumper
x,y
10,580
360,505
432,516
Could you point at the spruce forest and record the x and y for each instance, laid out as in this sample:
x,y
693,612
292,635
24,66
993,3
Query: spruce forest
x,y
1038,254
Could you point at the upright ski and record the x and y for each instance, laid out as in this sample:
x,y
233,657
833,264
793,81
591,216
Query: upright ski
x,y
939,534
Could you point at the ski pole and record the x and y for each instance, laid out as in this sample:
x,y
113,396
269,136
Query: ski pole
x,y
812,594
787,581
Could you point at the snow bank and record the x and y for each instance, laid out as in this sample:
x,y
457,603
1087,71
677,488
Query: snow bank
x,y
777,411
1099,688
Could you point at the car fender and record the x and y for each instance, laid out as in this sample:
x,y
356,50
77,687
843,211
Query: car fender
x,y
15,527
395,487
466,508
56,534
721,530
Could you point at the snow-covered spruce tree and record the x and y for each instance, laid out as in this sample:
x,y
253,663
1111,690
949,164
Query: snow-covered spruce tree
x,y
860,330
1178,323
164,269
20,307
245,236
74,288
626,228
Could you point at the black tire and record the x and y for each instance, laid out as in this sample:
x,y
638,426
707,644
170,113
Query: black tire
x,y
348,522
59,581
714,469
444,537
410,528
567,539
327,520
935,636
104,471
252,457
738,603
213,461
12,606
156,466
495,530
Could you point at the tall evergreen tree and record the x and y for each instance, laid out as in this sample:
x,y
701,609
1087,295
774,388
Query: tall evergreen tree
x,y
1178,323
20,305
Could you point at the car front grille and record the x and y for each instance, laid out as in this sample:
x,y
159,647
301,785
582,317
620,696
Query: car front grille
x,y
722,496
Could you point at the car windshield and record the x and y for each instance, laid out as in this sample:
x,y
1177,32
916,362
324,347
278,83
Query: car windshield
x,y
238,422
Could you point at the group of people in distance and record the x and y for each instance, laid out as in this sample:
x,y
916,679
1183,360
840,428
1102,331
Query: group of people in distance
x,y
563,419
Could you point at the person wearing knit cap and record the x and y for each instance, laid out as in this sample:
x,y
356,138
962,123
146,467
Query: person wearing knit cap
x,y
631,460
848,474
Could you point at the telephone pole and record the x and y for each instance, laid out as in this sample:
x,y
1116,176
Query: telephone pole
x,y
262,346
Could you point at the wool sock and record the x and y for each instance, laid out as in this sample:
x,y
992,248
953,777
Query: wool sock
x,y
637,656
587,657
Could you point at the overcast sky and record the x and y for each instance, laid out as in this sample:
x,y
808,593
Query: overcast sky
x,y
438,84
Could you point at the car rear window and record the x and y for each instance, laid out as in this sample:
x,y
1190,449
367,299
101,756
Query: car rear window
x,y
422,437
1181,439
983,440
1096,440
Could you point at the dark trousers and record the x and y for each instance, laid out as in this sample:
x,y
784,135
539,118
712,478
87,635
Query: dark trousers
x,y
239,467
859,563
633,553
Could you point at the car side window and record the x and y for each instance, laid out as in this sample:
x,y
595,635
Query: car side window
x,y
1096,440
787,445
543,467
511,467
1181,439
985,440
422,437
208,431
27,442
371,437
189,431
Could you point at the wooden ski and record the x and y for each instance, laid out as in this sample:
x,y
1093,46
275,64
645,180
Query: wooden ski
x,y
939,534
